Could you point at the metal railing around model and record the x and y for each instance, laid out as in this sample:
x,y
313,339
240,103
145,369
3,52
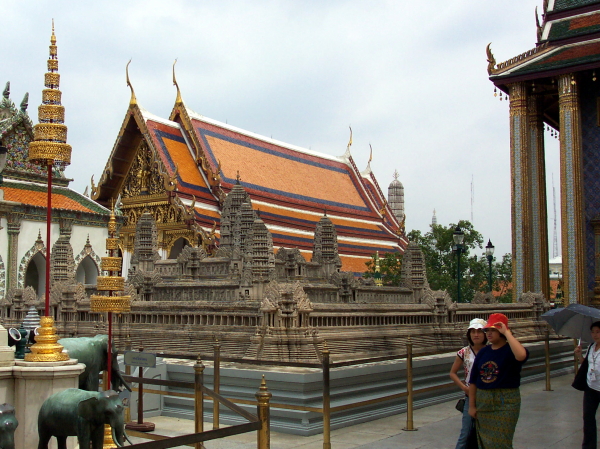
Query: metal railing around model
x,y
259,422
326,410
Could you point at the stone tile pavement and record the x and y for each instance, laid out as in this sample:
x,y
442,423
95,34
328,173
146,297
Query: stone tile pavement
x,y
548,420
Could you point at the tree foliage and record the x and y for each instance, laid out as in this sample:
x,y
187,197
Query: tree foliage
x,y
390,266
442,262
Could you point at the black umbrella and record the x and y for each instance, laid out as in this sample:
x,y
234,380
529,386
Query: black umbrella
x,y
573,321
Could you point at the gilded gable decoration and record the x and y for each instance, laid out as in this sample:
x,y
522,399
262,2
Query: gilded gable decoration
x,y
143,177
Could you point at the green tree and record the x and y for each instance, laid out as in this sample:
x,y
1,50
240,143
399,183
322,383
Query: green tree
x,y
441,261
390,266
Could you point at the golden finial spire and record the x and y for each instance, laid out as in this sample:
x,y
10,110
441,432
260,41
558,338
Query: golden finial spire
x,y
178,99
53,37
371,155
49,146
350,141
133,100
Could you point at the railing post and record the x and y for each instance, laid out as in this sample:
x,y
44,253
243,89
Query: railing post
x,y
326,399
216,382
409,387
140,425
198,399
263,396
547,351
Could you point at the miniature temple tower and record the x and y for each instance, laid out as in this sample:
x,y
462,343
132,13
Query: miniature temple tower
x,y
325,250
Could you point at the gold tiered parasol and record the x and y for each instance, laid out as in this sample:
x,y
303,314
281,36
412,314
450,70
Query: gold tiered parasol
x,y
49,148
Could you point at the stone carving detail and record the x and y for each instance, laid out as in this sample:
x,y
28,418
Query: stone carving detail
x,y
484,298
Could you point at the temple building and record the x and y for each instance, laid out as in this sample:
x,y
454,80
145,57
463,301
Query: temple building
x,y
554,86
78,223
181,168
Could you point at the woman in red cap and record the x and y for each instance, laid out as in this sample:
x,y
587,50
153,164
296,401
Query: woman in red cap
x,y
494,398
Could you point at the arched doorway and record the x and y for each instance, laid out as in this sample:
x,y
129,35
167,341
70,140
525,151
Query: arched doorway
x,y
35,275
87,271
177,247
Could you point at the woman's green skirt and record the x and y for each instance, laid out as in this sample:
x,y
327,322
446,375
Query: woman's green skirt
x,y
497,414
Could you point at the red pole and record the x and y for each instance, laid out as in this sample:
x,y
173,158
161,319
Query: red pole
x,y
109,355
48,226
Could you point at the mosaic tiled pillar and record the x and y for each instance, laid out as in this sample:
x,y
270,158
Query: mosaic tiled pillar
x,y
13,230
571,192
537,181
519,165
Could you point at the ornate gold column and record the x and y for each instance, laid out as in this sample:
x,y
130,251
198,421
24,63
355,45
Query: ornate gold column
x,y
571,191
539,216
519,166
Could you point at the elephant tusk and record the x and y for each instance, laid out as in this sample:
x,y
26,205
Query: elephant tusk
x,y
114,437
127,437
123,380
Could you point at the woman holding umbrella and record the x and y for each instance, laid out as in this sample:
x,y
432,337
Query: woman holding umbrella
x,y
494,398
591,388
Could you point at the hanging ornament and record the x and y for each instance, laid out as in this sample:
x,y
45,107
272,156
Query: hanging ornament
x,y
495,94
594,75
533,86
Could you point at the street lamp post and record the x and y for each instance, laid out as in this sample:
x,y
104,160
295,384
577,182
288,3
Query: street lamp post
x,y
458,237
489,253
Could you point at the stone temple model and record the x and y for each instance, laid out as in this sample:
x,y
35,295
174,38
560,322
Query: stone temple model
x,y
553,90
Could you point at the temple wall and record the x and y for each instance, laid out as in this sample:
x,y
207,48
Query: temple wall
x,y
590,121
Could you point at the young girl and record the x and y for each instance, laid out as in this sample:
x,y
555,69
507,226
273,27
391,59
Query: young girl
x,y
591,395
464,359
494,397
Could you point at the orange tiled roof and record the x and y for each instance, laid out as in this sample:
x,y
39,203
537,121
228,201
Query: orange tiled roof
x,y
60,199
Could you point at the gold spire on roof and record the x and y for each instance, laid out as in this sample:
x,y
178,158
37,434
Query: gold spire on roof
x,y
178,99
350,141
49,146
133,100
371,155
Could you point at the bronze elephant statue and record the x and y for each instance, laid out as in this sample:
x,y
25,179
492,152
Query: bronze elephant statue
x,y
75,412
93,352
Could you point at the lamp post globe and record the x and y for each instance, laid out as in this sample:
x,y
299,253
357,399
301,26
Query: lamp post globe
x,y
459,237
489,254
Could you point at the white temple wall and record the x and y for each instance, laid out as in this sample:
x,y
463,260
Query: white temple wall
x,y
98,236
29,234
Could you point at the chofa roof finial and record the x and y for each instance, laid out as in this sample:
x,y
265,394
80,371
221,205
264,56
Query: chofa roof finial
x,y
178,99
133,100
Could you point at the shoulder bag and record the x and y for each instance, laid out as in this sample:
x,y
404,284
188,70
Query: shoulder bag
x,y
580,381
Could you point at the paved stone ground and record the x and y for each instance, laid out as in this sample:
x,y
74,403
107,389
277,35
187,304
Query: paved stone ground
x,y
548,420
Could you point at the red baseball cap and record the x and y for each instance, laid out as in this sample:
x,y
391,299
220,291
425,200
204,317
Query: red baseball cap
x,y
496,318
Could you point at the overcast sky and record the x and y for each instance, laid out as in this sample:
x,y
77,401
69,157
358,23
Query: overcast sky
x,y
409,77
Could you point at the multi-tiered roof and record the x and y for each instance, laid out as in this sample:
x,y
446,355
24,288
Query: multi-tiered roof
x,y
203,159
568,40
